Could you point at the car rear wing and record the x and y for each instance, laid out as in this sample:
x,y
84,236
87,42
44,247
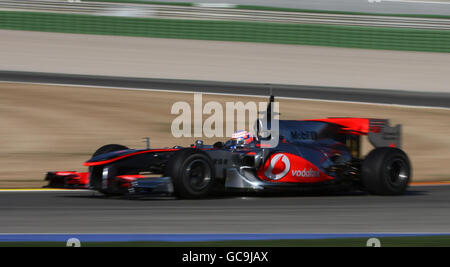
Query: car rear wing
x,y
381,134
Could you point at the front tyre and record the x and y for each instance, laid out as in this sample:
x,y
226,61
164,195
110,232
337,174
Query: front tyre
x,y
108,149
386,171
96,171
192,174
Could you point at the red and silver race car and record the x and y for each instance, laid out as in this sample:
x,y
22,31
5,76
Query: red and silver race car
x,y
320,153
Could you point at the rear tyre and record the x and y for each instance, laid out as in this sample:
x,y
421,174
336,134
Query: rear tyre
x,y
386,171
192,174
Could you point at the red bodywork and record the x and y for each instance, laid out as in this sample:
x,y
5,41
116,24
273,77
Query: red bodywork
x,y
357,126
125,180
290,168
80,180
68,179
74,178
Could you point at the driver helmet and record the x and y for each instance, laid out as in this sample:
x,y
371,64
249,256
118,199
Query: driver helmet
x,y
242,137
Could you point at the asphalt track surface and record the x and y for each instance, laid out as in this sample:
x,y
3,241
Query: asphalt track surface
x,y
425,209
426,99
391,6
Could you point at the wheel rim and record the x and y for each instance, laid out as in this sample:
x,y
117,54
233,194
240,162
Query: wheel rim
x,y
198,173
397,171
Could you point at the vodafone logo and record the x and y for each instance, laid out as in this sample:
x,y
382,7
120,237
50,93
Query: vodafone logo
x,y
306,173
279,166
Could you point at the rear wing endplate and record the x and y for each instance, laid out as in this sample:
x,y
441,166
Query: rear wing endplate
x,y
381,134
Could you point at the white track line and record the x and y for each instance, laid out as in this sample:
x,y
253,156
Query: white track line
x,y
229,94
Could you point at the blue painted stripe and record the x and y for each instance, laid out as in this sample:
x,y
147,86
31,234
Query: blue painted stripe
x,y
187,237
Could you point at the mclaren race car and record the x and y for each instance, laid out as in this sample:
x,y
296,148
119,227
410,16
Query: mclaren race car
x,y
299,154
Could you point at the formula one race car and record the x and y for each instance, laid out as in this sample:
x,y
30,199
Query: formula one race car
x,y
308,153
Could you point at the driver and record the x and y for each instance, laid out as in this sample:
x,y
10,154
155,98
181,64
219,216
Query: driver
x,y
242,137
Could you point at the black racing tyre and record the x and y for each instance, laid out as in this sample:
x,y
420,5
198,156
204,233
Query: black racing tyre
x,y
108,148
192,173
386,171
103,150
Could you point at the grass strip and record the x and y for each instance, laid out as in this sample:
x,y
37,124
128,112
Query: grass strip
x,y
262,32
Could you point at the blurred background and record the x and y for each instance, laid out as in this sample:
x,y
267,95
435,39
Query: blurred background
x,y
373,46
